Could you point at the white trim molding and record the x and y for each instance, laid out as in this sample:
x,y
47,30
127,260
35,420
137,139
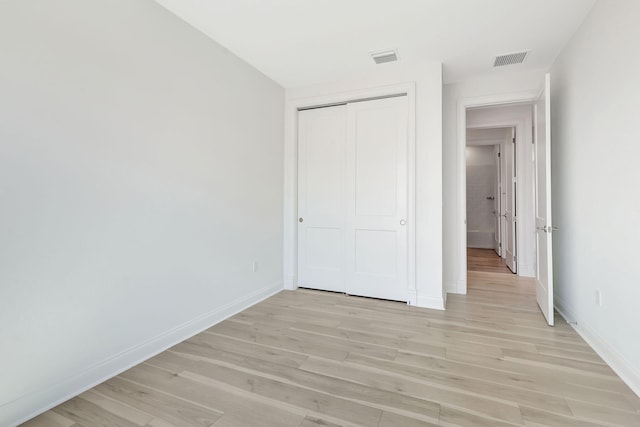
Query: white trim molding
x,y
12,413
620,365
433,303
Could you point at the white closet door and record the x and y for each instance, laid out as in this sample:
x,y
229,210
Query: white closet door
x,y
321,198
376,228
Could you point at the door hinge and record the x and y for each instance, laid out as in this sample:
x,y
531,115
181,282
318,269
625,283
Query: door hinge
x,y
515,258
498,154
513,139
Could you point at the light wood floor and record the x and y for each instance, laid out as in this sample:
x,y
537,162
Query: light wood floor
x,y
309,358
486,260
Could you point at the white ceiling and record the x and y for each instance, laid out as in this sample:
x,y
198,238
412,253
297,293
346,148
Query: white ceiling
x,y
302,42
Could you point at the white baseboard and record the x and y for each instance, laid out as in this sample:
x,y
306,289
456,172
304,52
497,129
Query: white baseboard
x,y
620,365
526,270
33,404
290,283
412,297
451,287
461,287
431,302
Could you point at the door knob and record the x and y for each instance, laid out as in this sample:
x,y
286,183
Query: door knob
x,y
300,219
403,222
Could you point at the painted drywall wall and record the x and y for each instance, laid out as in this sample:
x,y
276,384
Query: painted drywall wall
x,y
452,96
481,184
141,173
596,202
427,77
491,136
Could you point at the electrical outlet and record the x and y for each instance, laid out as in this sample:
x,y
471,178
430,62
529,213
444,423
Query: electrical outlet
x,y
599,298
255,266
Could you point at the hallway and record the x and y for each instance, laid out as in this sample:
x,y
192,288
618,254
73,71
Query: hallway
x,y
486,260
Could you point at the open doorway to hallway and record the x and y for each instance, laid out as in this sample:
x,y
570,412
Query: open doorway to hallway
x,y
486,260
490,194
499,184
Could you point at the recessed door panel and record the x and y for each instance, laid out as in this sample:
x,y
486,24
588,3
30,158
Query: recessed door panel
x,y
376,163
376,253
324,164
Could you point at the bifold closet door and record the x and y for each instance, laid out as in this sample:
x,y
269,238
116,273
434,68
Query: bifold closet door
x,y
321,198
376,227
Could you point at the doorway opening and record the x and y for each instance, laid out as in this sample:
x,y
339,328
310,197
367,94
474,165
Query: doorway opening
x,y
499,188
491,194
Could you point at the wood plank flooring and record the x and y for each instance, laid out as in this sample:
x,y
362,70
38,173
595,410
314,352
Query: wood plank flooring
x,y
486,260
309,358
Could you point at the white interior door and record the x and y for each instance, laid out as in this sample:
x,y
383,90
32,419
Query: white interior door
x,y
544,227
377,171
321,198
496,201
509,240
503,199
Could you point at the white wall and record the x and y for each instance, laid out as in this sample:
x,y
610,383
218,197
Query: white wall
x,y
481,183
452,96
596,201
491,136
428,126
141,174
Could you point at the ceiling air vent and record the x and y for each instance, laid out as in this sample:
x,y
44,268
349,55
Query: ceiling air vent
x,y
383,56
509,59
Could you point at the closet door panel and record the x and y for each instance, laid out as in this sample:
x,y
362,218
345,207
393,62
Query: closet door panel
x,y
376,171
321,198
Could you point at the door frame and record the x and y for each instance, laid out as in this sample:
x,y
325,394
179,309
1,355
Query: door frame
x,y
461,170
498,198
290,243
